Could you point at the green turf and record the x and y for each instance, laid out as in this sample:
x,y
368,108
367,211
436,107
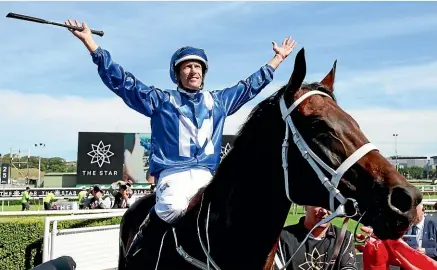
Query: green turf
x,y
33,207
293,219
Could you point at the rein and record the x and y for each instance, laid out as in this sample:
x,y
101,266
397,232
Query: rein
x,y
315,162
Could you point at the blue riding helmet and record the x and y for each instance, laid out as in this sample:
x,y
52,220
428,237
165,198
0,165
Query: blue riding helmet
x,y
184,54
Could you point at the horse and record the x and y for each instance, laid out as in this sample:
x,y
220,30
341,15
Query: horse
x,y
235,221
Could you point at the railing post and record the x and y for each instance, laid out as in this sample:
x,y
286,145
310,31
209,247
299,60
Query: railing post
x,y
46,242
53,239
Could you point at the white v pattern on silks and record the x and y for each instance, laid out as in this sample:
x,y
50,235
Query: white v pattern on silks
x,y
188,131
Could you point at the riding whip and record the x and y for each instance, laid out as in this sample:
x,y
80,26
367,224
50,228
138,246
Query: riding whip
x,y
38,20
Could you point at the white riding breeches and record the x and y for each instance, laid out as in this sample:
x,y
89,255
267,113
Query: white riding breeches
x,y
174,192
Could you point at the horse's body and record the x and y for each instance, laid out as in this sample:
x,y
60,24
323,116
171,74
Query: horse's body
x,y
245,206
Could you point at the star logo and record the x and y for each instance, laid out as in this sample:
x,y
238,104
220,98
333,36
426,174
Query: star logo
x,y
224,151
313,261
100,154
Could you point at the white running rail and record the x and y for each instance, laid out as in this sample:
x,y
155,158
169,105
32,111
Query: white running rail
x,y
60,212
91,248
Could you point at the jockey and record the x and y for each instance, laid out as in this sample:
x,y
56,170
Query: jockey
x,y
187,123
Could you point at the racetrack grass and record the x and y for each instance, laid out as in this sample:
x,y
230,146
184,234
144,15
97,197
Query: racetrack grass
x,y
294,219
16,206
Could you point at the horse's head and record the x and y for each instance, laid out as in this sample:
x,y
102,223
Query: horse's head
x,y
329,138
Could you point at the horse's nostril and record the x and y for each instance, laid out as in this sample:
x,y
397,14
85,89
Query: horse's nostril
x,y
401,199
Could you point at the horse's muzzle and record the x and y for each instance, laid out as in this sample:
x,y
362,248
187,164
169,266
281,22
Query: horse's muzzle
x,y
403,200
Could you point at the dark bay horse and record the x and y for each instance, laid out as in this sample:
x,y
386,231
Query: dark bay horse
x,y
239,217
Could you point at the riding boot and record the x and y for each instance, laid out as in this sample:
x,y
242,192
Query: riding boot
x,y
149,235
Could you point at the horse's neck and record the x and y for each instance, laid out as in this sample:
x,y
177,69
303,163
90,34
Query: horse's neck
x,y
250,202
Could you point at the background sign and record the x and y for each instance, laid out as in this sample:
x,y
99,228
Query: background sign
x,y
100,157
65,206
104,158
227,144
60,192
4,173
136,157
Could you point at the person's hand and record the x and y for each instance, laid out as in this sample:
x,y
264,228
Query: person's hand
x,y
285,49
374,252
98,195
421,250
85,35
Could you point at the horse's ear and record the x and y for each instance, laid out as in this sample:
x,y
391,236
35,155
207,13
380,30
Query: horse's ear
x,y
329,80
299,72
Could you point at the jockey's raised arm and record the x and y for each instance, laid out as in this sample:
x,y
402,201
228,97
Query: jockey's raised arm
x,y
233,98
135,94
138,96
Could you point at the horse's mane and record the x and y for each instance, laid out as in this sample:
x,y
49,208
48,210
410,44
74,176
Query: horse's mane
x,y
270,102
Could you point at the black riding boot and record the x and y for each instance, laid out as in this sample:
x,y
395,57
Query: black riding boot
x,y
149,236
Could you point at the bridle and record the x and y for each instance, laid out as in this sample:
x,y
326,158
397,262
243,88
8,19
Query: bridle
x,y
315,162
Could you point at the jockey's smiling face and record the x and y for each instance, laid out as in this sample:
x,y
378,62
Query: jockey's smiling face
x,y
191,75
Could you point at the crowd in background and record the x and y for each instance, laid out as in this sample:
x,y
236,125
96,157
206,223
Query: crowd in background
x,y
120,196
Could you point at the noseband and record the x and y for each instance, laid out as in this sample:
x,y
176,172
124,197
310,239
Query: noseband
x,y
315,162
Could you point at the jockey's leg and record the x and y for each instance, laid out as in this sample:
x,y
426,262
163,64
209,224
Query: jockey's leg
x,y
173,194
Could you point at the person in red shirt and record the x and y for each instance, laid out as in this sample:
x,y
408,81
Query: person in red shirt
x,y
380,254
